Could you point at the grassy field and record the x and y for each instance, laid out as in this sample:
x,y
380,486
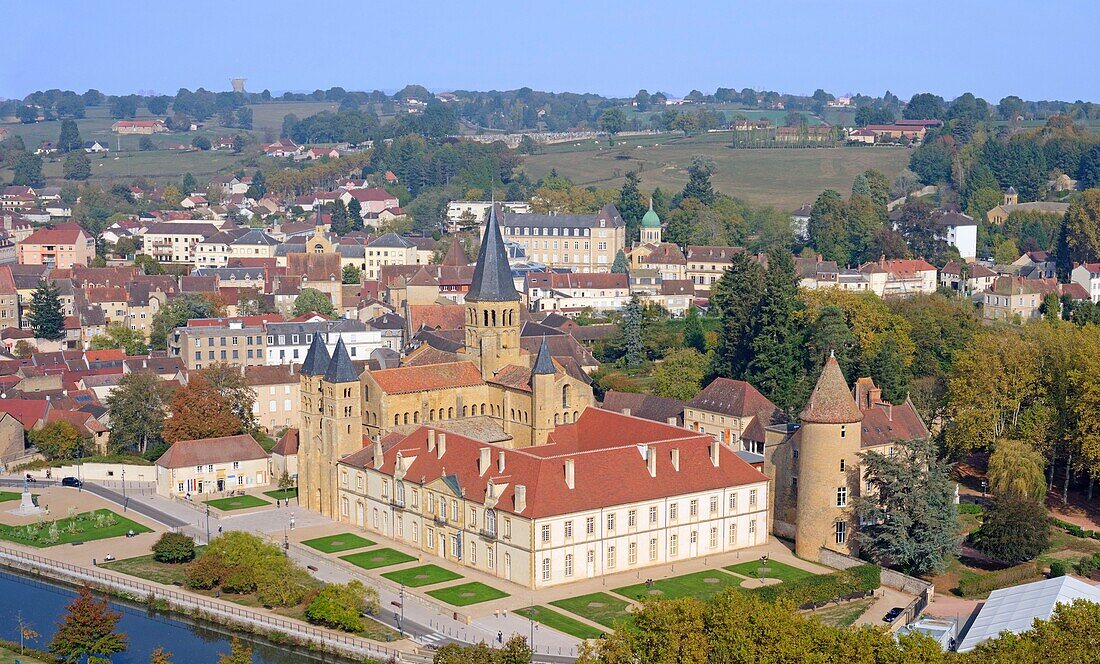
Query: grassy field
x,y
784,178
236,503
282,494
598,607
79,528
702,585
731,111
5,496
466,594
337,543
844,615
425,575
378,558
145,567
560,622
270,115
774,570
13,656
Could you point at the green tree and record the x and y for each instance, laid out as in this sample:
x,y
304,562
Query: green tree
x,y
776,367
680,374
1014,529
160,656
351,274
88,630
612,121
932,161
515,651
311,300
699,185
889,371
138,407
1079,238
694,336
736,298
909,514
1016,470
830,334
234,389
201,142
631,206
188,185
633,347
46,317
70,137
119,335
175,314
826,228
620,265
57,440
27,170
174,548
341,605
355,215
338,217
240,652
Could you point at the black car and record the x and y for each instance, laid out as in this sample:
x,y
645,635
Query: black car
x,y
71,481
893,614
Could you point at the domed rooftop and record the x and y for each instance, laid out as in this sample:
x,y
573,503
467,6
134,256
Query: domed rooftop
x,y
651,220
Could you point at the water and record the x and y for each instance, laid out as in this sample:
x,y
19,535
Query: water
x,y
43,604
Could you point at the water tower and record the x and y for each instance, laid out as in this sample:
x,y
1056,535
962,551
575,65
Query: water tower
x,y
238,84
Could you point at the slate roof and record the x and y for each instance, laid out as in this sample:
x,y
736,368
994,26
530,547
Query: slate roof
x,y
340,369
647,406
492,280
543,362
317,358
735,398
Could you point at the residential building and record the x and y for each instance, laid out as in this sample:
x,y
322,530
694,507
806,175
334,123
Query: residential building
x,y
958,230
276,393
211,465
145,127
1087,275
289,341
176,242
372,200
967,279
467,214
580,242
571,292
705,264
60,247
9,299
1019,299
236,341
389,249
725,408
899,277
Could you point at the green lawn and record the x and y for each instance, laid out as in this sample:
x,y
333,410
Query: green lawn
x,y
12,656
774,570
377,558
598,607
560,622
145,567
843,615
467,593
5,496
425,575
282,494
236,503
702,585
337,543
83,527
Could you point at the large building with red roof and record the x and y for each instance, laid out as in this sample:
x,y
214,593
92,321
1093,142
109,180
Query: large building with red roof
x,y
61,247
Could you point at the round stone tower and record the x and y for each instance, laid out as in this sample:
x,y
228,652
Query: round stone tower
x,y
828,466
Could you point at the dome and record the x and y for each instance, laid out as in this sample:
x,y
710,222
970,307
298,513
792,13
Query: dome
x,y
651,220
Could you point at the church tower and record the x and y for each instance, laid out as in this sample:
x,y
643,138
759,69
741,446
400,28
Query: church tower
x,y
492,306
311,403
341,422
651,226
543,395
828,466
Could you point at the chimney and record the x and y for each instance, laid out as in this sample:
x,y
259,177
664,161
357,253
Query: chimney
x,y
569,475
484,460
431,440
651,462
626,411
441,445
378,457
521,497
500,461
714,453
676,459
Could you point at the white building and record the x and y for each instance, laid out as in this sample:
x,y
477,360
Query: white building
x,y
575,292
1016,609
211,465
463,214
960,231
288,342
1088,276
176,242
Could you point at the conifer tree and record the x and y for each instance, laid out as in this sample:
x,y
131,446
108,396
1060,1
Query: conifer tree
x,y
46,317
776,367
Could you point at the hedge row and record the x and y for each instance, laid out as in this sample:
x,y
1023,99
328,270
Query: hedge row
x,y
1075,530
982,585
858,580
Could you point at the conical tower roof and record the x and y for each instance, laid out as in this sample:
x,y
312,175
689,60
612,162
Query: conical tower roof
x,y
492,280
456,255
544,364
340,369
317,359
650,219
831,402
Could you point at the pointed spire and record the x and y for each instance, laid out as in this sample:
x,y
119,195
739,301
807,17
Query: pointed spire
x,y
456,255
320,221
492,280
317,358
340,369
831,402
544,364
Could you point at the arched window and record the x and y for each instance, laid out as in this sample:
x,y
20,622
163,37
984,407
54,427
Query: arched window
x,y
482,409
565,389
397,419
491,521
406,418
431,415
450,412
494,317
513,413
399,492
416,417
486,312
555,419
465,410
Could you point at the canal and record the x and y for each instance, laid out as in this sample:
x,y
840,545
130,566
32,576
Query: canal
x,y
41,605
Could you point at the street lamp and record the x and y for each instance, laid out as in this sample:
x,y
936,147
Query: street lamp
x,y
208,523
125,501
401,623
985,485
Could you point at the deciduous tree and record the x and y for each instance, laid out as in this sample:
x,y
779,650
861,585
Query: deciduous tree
x,y
200,411
680,374
88,630
138,407
1014,529
57,440
119,335
311,300
1016,470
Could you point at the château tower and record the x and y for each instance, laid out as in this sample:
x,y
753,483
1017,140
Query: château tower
x,y
544,409
492,306
828,466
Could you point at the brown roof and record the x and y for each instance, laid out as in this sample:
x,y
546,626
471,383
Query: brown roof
x,y
429,377
831,402
712,254
288,443
677,287
647,406
437,316
514,376
187,453
731,397
270,375
70,233
667,253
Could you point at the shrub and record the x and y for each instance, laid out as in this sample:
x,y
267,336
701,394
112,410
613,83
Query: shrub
x,y
1011,532
970,508
174,548
205,572
1087,565
338,606
242,563
1057,568
857,580
983,585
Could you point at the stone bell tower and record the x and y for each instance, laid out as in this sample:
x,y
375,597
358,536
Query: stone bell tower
x,y
492,306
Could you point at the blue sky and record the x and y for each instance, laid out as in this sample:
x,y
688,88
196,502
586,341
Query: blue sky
x,y
1036,50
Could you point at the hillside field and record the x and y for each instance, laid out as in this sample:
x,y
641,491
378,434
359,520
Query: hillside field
x,y
784,178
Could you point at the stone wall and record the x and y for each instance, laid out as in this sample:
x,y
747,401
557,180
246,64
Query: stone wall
x,y
887,577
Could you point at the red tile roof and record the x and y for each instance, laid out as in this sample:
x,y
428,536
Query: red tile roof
x,y
28,411
70,233
110,355
288,443
436,316
429,377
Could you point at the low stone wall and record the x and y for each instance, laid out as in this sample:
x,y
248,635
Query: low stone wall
x,y
100,472
887,577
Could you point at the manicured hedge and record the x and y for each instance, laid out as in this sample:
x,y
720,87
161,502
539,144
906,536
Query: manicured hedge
x,y
856,581
1075,530
981,585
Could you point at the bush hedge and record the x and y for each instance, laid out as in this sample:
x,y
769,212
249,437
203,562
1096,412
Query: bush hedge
x,y
856,581
174,548
1075,530
982,585
1057,568
970,508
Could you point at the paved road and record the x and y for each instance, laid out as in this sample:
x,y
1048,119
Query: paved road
x,y
115,497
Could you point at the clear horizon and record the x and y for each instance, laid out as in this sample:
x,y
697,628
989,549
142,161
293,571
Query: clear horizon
x,y
990,49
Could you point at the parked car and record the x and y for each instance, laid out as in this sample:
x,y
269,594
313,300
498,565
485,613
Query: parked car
x,y
71,481
893,614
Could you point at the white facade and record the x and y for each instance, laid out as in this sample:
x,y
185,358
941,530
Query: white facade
x,y
291,347
963,237
1088,276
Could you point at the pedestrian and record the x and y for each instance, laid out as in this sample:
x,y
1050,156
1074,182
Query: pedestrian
x,y
219,530
500,637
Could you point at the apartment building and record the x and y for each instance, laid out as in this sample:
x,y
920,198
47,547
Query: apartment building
x,y
579,242
60,247
574,292
288,342
276,393
239,341
176,242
